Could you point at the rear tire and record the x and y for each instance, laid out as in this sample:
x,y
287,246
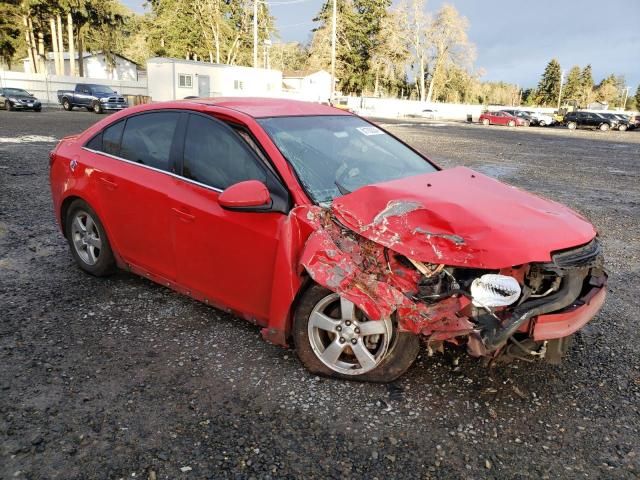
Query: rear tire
x,y
88,240
604,127
511,123
401,348
486,122
67,105
542,123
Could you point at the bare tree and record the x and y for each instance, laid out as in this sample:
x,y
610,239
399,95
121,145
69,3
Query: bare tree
x,y
415,22
449,44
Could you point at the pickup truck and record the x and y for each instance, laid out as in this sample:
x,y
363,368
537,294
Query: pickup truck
x,y
92,97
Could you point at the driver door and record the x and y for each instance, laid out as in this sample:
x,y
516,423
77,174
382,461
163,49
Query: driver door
x,y
226,257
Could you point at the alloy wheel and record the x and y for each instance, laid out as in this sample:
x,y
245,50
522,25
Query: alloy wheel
x,y
86,237
344,339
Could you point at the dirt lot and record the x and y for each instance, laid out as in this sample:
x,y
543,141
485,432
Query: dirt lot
x,y
119,378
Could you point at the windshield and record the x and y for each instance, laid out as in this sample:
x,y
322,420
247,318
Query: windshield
x,y
101,89
335,155
16,91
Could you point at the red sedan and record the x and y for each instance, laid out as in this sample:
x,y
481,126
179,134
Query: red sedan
x,y
501,118
327,231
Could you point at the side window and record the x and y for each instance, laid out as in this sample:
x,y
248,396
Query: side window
x,y
147,138
107,141
111,139
215,156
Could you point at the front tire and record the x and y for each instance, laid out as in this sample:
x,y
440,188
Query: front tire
x,y
88,240
571,125
97,108
542,123
7,106
511,123
485,122
334,338
622,128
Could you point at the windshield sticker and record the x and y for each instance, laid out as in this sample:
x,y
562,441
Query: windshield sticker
x,y
341,134
370,131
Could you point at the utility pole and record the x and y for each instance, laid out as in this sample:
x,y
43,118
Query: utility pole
x,y
626,94
255,33
334,23
560,93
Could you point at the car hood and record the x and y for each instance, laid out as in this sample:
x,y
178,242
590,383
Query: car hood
x,y
22,97
462,218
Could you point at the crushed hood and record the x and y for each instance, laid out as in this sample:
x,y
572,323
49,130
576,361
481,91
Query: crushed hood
x,y
462,218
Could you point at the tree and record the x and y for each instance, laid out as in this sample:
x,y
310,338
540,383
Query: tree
x,y
637,97
586,94
609,90
289,56
450,45
549,85
414,23
571,89
10,34
389,56
359,24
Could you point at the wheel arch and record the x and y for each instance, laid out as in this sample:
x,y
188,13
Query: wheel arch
x,y
64,210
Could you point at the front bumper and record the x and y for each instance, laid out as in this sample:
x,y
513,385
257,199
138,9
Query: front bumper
x,y
563,324
114,106
26,106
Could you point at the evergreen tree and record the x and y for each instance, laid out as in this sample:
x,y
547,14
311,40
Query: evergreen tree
x,y
571,89
359,24
586,94
549,85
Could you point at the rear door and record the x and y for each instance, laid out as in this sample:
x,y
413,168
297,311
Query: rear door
x,y
226,257
134,189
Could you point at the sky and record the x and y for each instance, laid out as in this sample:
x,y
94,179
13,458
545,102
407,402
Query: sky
x,y
516,39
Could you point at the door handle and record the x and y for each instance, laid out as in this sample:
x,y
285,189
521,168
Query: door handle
x,y
110,185
185,216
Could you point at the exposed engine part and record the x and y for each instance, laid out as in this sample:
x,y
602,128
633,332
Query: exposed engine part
x,y
493,290
426,270
570,289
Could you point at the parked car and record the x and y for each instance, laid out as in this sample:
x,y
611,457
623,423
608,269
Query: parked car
x,y
540,119
427,113
501,118
277,210
98,98
19,99
589,120
618,122
528,119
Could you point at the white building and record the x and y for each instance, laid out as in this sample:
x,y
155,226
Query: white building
x,y
313,86
174,79
95,66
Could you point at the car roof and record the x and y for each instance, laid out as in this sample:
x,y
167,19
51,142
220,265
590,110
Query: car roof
x,y
270,107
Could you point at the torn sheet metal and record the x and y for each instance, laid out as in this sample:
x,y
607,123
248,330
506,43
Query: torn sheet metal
x,y
461,218
360,271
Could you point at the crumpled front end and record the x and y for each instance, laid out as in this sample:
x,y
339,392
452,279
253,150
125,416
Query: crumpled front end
x,y
521,310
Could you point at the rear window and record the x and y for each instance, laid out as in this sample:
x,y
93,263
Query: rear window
x,y
147,138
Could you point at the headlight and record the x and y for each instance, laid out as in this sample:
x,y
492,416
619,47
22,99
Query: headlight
x,y
104,100
13,99
493,290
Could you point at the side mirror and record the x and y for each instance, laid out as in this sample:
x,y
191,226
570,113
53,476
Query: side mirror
x,y
247,195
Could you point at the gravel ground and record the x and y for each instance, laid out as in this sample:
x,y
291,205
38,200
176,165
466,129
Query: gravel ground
x,y
121,378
